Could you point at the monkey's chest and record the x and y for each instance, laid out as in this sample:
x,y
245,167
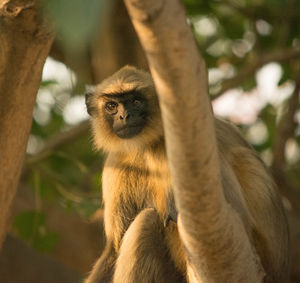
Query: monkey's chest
x,y
145,189
138,185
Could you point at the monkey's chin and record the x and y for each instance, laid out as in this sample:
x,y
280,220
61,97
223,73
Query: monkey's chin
x,y
129,132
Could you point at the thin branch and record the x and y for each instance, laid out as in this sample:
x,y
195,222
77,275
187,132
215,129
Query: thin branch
x,y
250,12
286,188
286,21
286,128
67,191
277,56
255,12
57,142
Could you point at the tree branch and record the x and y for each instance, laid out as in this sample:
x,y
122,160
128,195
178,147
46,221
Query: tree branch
x,y
58,141
180,78
252,67
254,12
286,128
25,44
250,12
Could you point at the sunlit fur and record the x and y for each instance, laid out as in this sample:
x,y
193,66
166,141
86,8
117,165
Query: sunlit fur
x,y
136,177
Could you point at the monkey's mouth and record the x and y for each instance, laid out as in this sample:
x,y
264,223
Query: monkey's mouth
x,y
129,131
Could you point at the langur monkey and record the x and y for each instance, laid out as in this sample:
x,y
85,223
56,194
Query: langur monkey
x,y
140,216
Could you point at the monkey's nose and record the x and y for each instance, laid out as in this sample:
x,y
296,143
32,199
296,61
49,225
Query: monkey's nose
x,y
124,116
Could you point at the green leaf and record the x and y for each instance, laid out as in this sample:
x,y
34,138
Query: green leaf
x,y
27,224
268,116
286,75
249,84
46,243
31,227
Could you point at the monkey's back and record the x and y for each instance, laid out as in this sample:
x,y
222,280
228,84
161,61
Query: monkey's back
x,y
267,222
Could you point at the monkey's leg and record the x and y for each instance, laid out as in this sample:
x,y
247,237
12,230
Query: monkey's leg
x,y
144,256
102,271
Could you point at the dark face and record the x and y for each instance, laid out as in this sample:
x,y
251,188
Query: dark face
x,y
125,113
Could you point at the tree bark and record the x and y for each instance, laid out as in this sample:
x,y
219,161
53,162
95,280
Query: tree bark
x,y
25,43
207,225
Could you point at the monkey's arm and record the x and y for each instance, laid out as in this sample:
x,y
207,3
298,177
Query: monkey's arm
x,y
104,267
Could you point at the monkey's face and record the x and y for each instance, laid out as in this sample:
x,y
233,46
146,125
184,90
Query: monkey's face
x,y
126,113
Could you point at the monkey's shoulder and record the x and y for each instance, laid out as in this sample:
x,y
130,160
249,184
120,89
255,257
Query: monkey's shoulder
x,y
228,135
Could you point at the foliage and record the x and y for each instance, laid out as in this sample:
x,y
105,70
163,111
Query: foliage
x,y
31,226
75,20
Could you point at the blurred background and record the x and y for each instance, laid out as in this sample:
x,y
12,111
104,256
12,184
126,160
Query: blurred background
x,y
252,52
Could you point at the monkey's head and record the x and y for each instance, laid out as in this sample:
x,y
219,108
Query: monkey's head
x,y
125,111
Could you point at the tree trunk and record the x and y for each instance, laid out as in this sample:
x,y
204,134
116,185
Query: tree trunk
x,y
207,225
25,44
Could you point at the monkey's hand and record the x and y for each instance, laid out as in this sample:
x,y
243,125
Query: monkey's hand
x,y
171,211
170,217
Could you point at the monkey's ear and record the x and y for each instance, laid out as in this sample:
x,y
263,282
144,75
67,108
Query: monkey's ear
x,y
89,103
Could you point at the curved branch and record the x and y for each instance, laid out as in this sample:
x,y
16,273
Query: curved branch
x,y
251,12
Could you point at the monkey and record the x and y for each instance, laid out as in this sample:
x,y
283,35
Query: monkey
x,y
140,215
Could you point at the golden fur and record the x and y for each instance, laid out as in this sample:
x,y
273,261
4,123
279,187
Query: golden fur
x,y
136,177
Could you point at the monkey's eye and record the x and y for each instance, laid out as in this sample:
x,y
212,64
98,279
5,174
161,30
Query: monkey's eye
x,y
137,102
111,106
